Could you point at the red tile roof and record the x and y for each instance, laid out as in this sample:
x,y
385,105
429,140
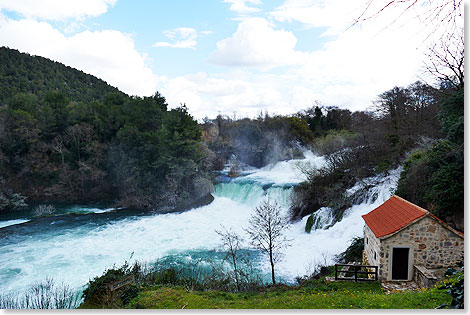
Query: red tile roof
x,y
393,215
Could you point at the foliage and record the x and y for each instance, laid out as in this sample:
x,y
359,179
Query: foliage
x,y
165,272
333,141
353,253
363,144
97,291
454,284
451,116
68,136
34,75
12,202
434,177
321,119
8,200
257,142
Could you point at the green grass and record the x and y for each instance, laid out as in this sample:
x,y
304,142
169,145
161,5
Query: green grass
x,y
315,295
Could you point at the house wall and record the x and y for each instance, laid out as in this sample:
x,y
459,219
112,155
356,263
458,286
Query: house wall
x,y
431,245
371,246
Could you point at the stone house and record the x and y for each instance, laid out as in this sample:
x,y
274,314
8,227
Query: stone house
x,y
407,242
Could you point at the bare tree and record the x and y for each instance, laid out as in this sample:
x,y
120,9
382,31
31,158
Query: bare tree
x,y
446,60
433,12
266,231
232,243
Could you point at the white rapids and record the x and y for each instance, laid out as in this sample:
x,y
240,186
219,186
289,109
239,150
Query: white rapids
x,y
75,251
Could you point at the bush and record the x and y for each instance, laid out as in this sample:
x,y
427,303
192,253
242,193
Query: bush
x,y
454,285
168,277
97,292
353,253
130,292
43,210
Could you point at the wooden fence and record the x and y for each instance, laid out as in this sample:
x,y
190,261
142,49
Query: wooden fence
x,y
356,273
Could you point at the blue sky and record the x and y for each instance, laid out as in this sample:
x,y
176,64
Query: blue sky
x,y
226,56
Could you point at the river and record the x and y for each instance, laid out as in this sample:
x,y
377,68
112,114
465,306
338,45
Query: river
x,y
83,241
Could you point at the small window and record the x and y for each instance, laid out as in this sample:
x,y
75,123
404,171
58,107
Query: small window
x,y
367,240
375,256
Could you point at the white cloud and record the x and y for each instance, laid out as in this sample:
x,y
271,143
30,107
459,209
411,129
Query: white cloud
x,y
241,7
57,9
357,63
237,91
257,44
182,37
109,55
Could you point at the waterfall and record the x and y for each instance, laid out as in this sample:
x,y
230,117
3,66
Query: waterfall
x,y
74,248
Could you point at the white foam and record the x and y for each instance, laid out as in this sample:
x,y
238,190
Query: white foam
x,y
77,255
12,222
286,172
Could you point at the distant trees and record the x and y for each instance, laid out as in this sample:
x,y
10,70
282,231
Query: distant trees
x,y
68,141
8,200
266,231
433,176
321,119
34,75
408,113
257,142
362,144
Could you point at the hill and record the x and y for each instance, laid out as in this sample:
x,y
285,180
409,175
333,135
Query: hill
x,y
23,73
69,136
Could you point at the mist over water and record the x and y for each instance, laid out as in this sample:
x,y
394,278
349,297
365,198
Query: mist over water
x,y
77,247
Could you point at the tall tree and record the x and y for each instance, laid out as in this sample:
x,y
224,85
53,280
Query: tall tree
x,y
266,231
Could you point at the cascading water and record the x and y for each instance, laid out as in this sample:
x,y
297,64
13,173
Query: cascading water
x,y
74,248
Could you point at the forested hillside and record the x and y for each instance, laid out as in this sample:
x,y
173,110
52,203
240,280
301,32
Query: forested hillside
x,y
417,126
68,136
23,73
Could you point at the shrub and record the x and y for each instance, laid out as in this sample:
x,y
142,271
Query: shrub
x,y
98,294
43,210
454,285
353,252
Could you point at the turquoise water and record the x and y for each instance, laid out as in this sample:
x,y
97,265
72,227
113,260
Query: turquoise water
x,y
82,241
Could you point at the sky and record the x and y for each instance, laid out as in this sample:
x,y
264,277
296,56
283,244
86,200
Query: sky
x,y
229,57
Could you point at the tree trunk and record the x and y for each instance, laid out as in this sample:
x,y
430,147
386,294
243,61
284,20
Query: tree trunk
x,y
272,266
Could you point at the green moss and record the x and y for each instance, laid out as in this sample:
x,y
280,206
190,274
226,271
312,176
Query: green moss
x,y
309,224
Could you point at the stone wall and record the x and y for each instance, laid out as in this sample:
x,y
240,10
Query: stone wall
x,y
431,245
371,246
